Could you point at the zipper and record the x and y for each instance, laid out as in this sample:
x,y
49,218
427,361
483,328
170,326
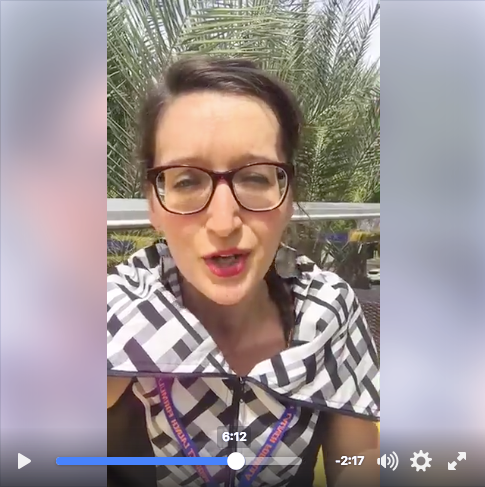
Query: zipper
x,y
234,426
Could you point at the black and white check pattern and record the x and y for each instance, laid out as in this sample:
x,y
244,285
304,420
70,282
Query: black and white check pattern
x,y
332,365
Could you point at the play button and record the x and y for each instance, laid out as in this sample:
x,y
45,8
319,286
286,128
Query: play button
x,y
23,460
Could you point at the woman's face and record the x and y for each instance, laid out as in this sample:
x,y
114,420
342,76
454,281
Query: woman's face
x,y
220,132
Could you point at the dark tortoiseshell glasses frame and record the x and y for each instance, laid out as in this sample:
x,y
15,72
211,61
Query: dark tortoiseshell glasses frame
x,y
153,174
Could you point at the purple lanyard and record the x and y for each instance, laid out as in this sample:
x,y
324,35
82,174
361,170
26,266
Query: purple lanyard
x,y
190,450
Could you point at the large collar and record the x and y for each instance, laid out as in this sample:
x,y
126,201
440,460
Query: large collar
x,y
151,333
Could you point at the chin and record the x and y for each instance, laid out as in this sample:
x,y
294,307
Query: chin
x,y
227,294
226,297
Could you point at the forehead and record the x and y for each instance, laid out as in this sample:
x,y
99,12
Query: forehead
x,y
217,130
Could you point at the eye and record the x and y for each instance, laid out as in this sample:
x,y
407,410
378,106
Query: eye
x,y
185,183
185,179
255,178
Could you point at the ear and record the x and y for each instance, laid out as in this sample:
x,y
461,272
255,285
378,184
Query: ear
x,y
290,209
154,211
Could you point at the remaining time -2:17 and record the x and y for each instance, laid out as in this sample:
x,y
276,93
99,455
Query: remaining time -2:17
x,y
355,460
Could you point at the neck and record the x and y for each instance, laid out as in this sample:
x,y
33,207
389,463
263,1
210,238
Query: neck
x,y
230,324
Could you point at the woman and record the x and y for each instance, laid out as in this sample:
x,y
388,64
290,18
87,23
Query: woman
x,y
219,338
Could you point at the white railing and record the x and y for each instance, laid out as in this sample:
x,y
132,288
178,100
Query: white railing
x,y
132,214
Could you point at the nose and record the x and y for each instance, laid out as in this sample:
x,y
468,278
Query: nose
x,y
223,213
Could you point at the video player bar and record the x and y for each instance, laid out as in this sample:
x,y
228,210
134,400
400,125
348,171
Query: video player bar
x,y
177,461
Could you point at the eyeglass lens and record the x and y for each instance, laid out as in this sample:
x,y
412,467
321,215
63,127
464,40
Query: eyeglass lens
x,y
188,189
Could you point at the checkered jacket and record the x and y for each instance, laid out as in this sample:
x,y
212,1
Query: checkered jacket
x,y
331,365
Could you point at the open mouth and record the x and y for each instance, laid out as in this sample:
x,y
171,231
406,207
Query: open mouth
x,y
227,265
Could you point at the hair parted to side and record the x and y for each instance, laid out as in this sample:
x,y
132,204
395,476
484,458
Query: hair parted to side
x,y
231,76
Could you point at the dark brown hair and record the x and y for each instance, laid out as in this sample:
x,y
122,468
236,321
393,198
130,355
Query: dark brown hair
x,y
233,76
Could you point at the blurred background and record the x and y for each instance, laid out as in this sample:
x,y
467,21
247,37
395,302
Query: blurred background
x,y
53,189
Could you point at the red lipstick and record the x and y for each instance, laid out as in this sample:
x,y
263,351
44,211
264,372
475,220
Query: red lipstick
x,y
227,263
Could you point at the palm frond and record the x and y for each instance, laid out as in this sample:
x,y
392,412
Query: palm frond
x,y
317,48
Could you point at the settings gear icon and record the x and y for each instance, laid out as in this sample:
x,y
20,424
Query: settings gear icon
x,y
423,466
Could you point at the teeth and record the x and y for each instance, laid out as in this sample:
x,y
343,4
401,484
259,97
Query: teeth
x,y
226,259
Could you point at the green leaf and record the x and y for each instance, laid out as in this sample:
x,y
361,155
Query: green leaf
x,y
317,48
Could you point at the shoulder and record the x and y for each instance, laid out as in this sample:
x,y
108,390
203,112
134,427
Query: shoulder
x,y
139,274
324,302
134,286
324,288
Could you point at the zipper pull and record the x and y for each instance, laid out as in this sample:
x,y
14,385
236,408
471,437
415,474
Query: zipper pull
x,y
242,386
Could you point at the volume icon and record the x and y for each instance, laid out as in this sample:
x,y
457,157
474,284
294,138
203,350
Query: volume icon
x,y
391,461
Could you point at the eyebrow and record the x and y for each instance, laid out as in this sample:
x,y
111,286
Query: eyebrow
x,y
240,160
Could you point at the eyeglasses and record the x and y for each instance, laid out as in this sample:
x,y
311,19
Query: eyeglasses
x,y
185,190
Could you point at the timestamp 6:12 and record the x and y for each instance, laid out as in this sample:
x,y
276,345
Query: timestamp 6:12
x,y
241,436
355,460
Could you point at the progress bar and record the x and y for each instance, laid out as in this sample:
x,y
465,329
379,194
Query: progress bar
x,y
93,461
235,461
